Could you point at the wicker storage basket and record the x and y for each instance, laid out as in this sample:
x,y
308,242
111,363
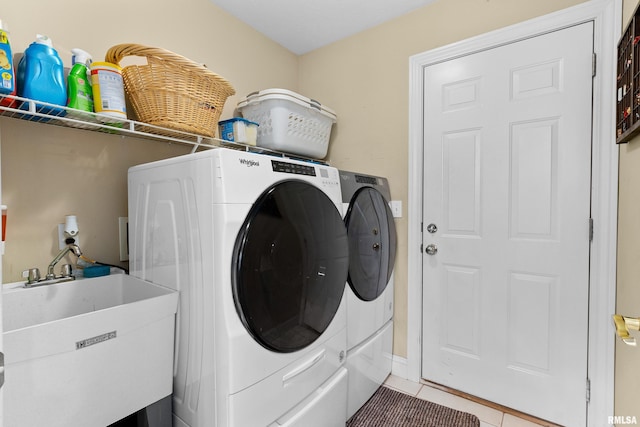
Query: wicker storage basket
x,y
172,91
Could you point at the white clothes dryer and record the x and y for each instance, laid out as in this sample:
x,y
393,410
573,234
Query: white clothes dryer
x,y
372,252
257,248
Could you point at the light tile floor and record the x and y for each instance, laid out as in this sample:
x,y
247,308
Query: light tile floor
x,y
489,417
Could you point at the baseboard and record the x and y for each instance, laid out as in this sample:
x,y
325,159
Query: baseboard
x,y
399,367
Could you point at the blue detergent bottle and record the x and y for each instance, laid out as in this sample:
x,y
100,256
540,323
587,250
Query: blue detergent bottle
x,y
41,76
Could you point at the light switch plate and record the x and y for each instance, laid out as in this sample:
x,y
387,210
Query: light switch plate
x,y
396,208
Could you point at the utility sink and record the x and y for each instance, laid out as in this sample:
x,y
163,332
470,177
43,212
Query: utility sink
x,y
87,352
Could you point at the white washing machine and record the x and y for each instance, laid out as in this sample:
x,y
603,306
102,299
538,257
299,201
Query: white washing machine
x,y
372,252
257,248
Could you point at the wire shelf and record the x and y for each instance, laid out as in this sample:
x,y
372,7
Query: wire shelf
x,y
42,112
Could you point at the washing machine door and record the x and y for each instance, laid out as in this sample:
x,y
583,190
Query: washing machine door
x,y
290,264
372,243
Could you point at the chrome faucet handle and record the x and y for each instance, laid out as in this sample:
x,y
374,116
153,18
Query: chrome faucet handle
x,y
66,270
32,275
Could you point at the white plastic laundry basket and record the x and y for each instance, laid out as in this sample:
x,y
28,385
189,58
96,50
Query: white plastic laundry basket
x,y
289,122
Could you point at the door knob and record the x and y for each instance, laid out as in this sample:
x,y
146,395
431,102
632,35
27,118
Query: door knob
x,y
623,325
431,249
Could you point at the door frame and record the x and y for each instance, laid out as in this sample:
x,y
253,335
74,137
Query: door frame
x,y
607,17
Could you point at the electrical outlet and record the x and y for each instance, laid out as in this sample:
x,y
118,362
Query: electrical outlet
x,y
62,238
123,233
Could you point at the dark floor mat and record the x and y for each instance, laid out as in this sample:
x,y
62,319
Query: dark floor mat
x,y
390,408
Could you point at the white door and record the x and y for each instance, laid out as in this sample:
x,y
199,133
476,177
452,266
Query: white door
x,y
507,166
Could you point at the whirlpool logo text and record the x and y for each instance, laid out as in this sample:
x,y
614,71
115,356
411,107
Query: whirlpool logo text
x,y
249,163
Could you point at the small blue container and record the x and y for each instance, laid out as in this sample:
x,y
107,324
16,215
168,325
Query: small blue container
x,y
238,129
40,76
97,271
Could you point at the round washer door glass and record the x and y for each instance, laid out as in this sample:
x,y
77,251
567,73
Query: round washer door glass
x,y
290,265
372,243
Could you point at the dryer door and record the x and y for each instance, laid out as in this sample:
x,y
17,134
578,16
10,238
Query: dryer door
x,y
372,243
290,265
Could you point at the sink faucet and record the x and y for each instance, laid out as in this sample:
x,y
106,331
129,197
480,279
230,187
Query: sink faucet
x,y
33,274
71,247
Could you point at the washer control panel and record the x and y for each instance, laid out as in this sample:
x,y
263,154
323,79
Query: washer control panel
x,y
363,179
279,166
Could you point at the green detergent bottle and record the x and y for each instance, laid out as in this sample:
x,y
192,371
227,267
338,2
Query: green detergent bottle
x,y
80,94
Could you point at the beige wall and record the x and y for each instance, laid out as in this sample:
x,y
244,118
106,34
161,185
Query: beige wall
x,y
627,375
365,78
50,172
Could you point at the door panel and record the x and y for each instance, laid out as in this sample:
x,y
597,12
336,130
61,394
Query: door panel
x,y
507,158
